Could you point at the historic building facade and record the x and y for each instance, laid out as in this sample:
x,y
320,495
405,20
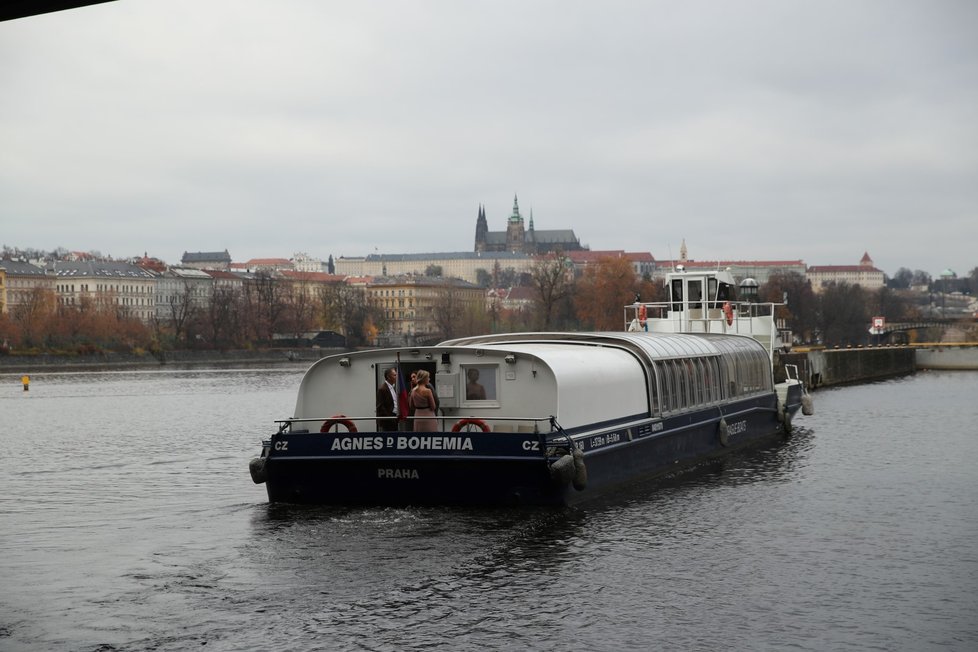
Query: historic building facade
x,y
410,303
129,288
26,285
518,238
459,264
864,275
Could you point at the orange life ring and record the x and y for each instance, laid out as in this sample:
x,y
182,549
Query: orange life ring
x,y
338,420
461,423
728,311
642,315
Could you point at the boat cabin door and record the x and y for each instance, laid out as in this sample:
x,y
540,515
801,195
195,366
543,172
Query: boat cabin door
x,y
697,297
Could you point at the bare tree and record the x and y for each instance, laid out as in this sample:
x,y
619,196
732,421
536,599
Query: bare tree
x,y
346,309
222,319
301,302
181,309
843,317
553,284
801,313
264,305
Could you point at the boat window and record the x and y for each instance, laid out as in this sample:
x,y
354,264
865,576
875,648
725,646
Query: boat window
x,y
654,390
682,384
480,382
712,294
725,293
677,294
666,386
695,290
696,382
715,378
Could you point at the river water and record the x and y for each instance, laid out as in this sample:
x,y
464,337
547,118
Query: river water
x,y
128,521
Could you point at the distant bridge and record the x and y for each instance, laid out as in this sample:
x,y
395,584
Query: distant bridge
x,y
897,331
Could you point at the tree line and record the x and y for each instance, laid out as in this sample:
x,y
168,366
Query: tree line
x,y
250,315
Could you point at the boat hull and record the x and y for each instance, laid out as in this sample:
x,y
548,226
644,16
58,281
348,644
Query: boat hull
x,y
504,469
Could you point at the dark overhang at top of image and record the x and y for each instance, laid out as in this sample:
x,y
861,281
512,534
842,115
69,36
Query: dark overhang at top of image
x,y
12,9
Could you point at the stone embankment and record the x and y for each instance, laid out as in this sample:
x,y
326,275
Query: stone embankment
x,y
825,367
23,363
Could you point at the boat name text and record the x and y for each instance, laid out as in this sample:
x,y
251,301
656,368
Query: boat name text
x,y
737,427
423,443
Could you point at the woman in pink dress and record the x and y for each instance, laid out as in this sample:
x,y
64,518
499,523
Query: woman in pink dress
x,y
423,400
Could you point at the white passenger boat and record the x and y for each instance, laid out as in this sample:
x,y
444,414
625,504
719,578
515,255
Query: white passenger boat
x,y
560,417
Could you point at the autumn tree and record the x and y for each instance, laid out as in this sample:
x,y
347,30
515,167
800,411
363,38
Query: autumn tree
x,y
347,310
603,291
34,315
456,315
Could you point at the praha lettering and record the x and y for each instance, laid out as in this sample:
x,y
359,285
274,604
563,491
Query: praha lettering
x,y
398,474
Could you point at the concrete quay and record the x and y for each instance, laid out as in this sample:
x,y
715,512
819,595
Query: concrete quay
x,y
828,367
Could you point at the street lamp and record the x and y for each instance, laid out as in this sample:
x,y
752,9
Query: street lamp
x,y
946,275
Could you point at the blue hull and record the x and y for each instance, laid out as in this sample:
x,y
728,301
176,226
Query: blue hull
x,y
406,468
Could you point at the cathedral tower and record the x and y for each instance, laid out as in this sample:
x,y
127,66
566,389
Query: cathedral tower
x,y
515,232
481,229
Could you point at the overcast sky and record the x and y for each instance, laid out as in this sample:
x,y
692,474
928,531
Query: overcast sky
x,y
770,130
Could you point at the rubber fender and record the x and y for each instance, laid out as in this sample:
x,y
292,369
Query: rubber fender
x,y
562,471
580,471
724,432
785,418
257,467
807,405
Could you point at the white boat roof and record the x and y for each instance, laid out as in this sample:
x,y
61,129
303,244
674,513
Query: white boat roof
x,y
653,345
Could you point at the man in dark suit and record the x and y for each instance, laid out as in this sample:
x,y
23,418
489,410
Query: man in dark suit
x,y
387,401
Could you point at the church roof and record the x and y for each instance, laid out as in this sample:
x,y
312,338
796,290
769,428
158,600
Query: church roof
x,y
539,236
206,257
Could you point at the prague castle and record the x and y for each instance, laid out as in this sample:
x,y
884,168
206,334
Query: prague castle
x,y
519,239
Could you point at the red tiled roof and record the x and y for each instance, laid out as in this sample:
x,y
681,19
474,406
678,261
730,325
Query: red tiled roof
x,y
714,264
318,277
594,256
269,261
219,273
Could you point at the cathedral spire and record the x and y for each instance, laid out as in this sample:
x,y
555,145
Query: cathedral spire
x,y
481,229
516,217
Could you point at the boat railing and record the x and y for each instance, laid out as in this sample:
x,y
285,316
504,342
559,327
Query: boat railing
x,y
447,423
698,311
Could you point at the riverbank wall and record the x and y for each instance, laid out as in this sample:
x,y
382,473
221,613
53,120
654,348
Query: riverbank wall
x,y
828,367
957,356
110,359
